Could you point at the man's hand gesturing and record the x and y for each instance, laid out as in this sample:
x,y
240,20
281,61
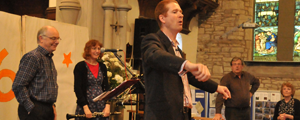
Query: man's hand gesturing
x,y
199,70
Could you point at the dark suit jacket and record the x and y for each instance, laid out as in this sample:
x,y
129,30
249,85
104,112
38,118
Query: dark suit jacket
x,y
164,88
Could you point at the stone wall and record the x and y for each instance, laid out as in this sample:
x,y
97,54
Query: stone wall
x,y
219,40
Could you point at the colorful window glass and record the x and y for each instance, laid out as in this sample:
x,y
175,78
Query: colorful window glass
x,y
265,36
297,32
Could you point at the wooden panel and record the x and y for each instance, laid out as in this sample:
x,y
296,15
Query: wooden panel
x,y
50,13
201,118
35,8
286,30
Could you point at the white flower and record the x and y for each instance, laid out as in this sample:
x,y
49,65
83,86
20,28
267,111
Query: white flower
x,y
127,64
118,78
122,68
111,59
117,64
105,57
115,70
109,74
106,64
116,59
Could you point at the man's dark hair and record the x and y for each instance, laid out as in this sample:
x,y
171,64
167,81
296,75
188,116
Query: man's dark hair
x,y
235,59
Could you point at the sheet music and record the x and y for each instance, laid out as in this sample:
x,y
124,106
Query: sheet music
x,y
119,89
101,96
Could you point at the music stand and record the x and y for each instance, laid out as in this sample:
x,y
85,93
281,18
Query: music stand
x,y
139,88
119,89
122,87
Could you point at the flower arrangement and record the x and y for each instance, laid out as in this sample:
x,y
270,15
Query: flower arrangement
x,y
115,70
116,75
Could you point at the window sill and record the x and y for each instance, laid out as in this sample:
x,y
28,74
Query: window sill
x,y
271,63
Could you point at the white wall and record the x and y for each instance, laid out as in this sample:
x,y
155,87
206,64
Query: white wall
x,y
52,3
189,42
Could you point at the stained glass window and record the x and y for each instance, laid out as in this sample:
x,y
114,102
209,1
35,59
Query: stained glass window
x,y
265,36
297,13
297,32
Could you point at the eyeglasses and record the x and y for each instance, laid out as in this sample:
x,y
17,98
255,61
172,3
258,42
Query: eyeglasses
x,y
53,38
234,64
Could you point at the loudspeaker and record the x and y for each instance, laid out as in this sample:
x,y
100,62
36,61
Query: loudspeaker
x,y
141,29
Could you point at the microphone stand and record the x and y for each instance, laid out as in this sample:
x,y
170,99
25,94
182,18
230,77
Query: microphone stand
x,y
134,77
117,56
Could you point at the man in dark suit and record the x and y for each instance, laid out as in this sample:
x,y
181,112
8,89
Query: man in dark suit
x,y
167,75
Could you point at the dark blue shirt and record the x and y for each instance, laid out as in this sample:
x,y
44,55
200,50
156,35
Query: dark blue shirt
x,y
36,79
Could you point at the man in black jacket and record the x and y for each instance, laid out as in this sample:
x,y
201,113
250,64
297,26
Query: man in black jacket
x,y
167,75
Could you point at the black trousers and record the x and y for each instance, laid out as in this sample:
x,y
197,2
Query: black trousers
x,y
41,111
187,113
232,113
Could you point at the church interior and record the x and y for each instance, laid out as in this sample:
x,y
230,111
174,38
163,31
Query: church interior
x,y
213,33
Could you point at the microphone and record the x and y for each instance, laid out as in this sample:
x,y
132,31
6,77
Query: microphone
x,y
110,50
